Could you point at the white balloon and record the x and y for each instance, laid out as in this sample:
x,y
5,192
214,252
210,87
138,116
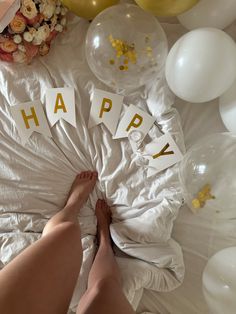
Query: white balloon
x,y
209,13
201,65
219,282
228,108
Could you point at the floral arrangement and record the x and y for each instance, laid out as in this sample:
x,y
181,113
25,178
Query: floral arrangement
x,y
32,30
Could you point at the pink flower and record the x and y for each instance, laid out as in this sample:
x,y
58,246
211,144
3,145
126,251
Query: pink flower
x,y
34,20
8,46
6,57
18,24
31,51
51,36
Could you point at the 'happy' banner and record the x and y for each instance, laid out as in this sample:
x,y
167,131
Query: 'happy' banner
x,y
106,107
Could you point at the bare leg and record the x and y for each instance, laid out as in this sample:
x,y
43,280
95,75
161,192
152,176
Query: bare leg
x,y
42,278
104,293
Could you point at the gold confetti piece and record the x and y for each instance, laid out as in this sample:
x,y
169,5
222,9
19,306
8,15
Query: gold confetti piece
x,y
202,196
123,49
126,68
112,61
196,203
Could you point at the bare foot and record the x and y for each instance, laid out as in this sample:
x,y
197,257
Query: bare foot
x,y
81,188
103,215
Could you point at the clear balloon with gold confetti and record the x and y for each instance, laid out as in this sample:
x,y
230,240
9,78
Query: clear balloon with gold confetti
x,y
126,47
208,176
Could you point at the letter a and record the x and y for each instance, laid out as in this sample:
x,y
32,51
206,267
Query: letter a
x,y
60,103
104,108
32,116
133,124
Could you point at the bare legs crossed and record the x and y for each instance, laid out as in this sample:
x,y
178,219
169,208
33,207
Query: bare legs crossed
x,y
42,278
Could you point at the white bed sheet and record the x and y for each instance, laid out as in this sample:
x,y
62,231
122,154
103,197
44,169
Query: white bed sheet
x,y
35,179
199,236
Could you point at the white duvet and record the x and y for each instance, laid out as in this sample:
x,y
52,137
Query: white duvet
x,y
35,179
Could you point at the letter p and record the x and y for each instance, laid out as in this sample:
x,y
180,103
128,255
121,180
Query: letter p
x,y
135,122
106,106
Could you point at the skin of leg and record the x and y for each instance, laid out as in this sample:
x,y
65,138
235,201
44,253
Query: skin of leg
x,y
42,278
104,293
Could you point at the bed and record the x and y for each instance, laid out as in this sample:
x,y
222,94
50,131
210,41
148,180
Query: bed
x,y
199,236
35,180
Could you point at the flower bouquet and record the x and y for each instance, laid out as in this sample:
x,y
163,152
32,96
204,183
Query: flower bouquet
x,y
32,30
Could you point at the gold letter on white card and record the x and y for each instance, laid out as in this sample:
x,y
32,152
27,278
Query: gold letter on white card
x,y
134,119
30,117
60,104
106,108
135,122
162,154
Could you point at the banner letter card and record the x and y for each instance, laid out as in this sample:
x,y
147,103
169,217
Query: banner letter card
x,y
106,108
60,104
30,117
162,154
134,119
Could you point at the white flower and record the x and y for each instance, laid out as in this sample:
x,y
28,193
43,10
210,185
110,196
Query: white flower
x,y
41,34
63,21
28,37
53,21
64,11
17,39
47,8
58,10
28,9
59,28
21,48
19,57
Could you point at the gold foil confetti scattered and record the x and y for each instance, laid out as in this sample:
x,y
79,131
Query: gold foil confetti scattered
x,y
203,195
125,50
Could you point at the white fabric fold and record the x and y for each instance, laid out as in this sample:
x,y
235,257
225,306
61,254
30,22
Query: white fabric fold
x,y
35,179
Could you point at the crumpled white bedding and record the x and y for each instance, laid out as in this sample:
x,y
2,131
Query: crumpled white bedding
x,y
200,236
35,179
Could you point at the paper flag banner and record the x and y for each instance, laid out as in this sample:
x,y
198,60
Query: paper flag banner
x,y
30,117
106,108
60,104
134,119
8,9
162,154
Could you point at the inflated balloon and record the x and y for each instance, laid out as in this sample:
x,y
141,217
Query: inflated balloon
x,y
209,13
208,176
219,282
201,65
88,8
228,108
126,47
166,7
